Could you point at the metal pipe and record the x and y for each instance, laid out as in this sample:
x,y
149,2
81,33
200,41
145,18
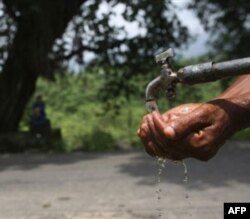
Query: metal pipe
x,y
151,94
153,89
210,71
193,74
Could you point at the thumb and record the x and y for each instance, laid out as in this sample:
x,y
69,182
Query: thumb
x,y
186,124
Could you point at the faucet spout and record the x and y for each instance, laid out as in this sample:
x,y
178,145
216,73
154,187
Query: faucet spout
x,y
193,74
165,81
151,94
153,89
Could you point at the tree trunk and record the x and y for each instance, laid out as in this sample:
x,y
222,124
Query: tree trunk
x,y
37,29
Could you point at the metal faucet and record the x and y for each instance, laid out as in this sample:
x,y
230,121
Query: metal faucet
x,y
193,74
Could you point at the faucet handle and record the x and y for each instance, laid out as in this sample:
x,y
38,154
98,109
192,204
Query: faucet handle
x,y
163,57
165,81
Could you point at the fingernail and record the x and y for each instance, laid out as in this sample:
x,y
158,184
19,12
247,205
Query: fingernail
x,y
142,134
138,131
169,132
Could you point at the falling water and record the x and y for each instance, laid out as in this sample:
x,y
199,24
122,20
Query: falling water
x,y
185,180
161,165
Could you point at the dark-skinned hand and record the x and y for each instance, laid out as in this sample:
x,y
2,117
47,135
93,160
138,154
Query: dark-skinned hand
x,y
189,130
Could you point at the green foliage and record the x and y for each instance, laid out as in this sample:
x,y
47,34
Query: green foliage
x,y
242,135
228,24
55,34
97,140
74,106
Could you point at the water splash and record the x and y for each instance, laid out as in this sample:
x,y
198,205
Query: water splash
x,y
161,165
151,106
185,180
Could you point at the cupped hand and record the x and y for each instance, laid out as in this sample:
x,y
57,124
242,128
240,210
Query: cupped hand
x,y
189,130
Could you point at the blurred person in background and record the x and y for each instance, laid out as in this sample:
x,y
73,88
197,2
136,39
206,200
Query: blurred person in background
x,y
39,123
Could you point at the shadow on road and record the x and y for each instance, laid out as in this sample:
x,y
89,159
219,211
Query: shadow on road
x,y
31,161
232,163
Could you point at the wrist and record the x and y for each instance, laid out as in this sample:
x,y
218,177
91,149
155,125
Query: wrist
x,y
237,109
238,88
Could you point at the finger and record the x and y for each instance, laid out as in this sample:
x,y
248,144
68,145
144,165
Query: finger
x,y
144,130
144,119
143,126
162,126
166,117
152,149
144,134
183,126
204,144
156,137
197,139
205,139
162,147
149,147
146,142
159,121
138,132
178,149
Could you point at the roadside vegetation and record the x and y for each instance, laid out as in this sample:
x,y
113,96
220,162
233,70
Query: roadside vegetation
x,y
74,105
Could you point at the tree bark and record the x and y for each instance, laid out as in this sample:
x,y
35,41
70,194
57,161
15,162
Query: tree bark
x,y
37,28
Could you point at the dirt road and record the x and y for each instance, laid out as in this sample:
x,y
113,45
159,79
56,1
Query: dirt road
x,y
120,185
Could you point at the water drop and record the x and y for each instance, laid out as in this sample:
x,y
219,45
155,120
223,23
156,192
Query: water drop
x,y
161,165
185,180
